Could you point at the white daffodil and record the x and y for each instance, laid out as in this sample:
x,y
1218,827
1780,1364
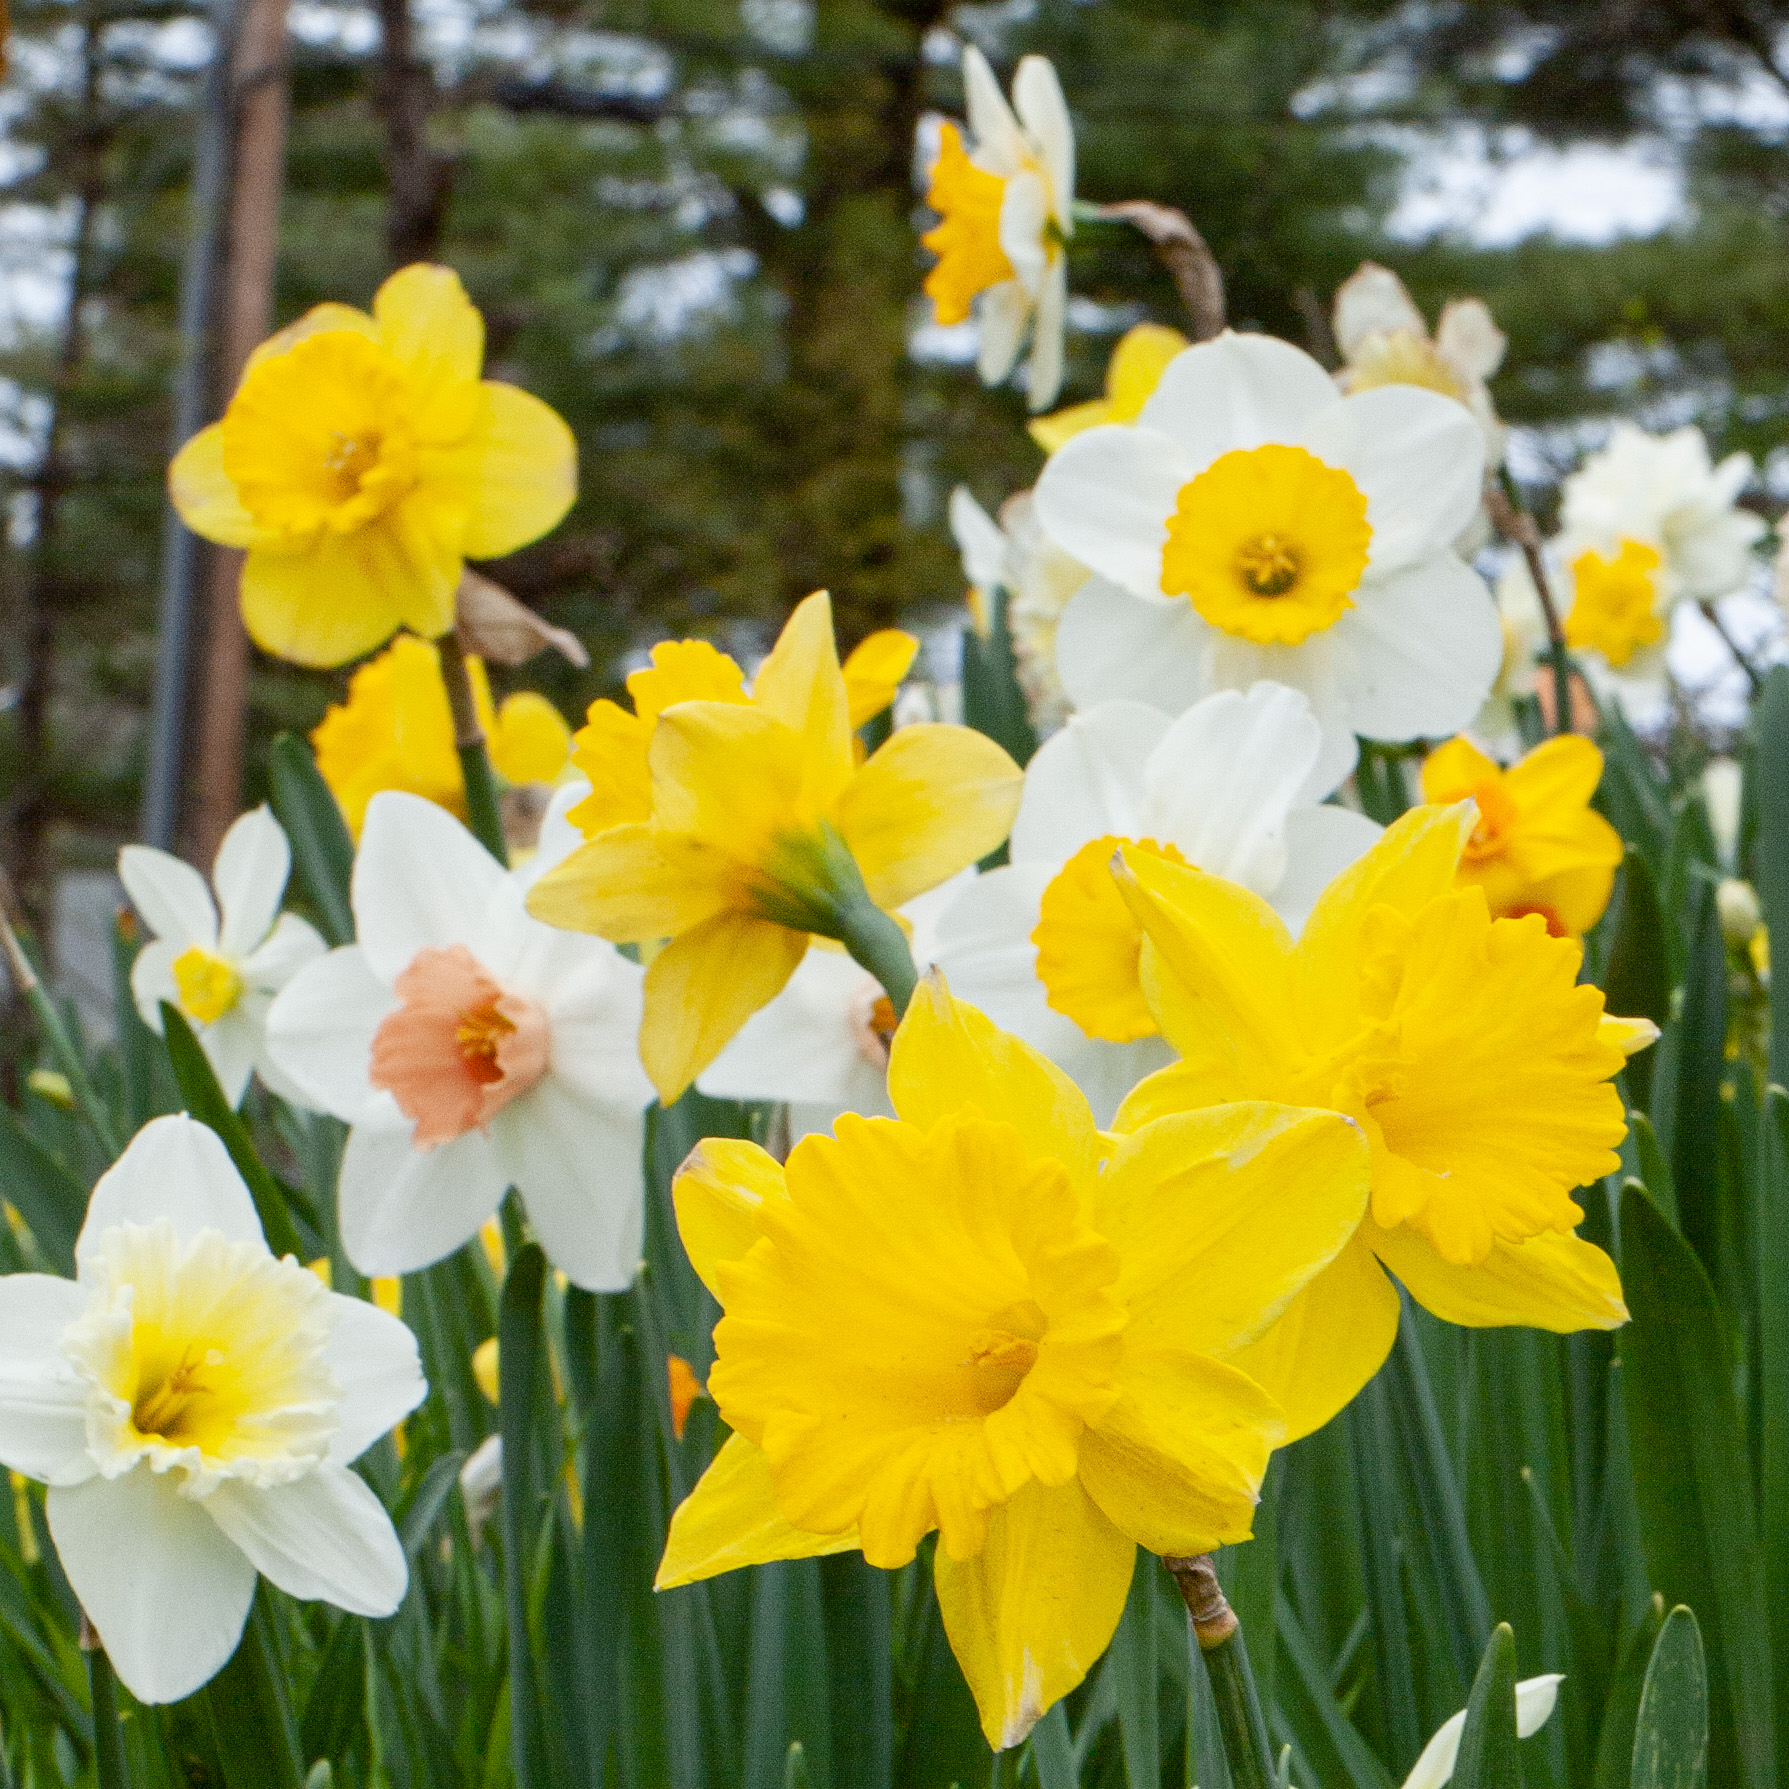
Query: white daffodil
x,y
220,975
1005,215
471,1048
193,1405
1647,522
1038,577
1535,1697
1047,947
822,1043
1255,525
1384,340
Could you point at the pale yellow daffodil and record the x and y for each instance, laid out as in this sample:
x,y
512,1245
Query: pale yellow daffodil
x,y
1465,1047
1537,846
362,461
395,731
761,828
984,1318
1132,374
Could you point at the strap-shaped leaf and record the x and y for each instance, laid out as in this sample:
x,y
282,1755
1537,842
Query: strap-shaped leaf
x,y
1671,1735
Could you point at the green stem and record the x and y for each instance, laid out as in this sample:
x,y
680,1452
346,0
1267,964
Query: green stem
x,y
1218,1635
483,815
108,1737
62,1046
878,944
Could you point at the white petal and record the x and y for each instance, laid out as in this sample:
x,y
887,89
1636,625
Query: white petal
x,y
292,943
577,1164
1106,1072
174,1168
1037,94
1087,780
1238,391
979,540
323,1538
1418,653
1001,315
402,1208
231,1045
1224,777
595,1015
804,1044
1105,497
1534,1702
420,879
1043,377
1372,301
1112,644
377,1371
999,143
924,913
988,958
1024,212
171,896
1313,668
43,1402
250,875
1469,337
167,1590
1320,844
320,1032
152,980
1418,458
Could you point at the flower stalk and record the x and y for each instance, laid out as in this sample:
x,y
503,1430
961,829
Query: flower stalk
x,y
482,812
1515,523
1219,1636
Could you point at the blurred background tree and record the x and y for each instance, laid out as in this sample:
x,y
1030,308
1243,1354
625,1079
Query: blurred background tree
x,y
691,227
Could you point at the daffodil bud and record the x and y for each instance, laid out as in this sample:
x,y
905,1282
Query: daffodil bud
x,y
1737,904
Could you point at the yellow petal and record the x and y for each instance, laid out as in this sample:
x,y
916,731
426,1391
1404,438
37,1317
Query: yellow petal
x,y
610,749
428,324
1559,774
1049,432
631,885
320,319
932,801
717,1194
1629,1036
1331,1339
1411,863
1177,1462
874,671
1555,1281
1216,970
948,1055
531,740
204,494
1180,1087
514,474
1030,1614
703,986
1137,365
337,600
801,685
731,1519
684,671
1223,1216
730,776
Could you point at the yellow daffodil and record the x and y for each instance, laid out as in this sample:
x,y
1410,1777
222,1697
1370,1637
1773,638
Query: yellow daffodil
x,y
1478,1065
761,828
395,731
610,748
1132,374
1616,602
362,461
984,1318
1537,845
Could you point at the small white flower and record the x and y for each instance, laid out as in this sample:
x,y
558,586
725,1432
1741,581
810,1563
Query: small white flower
x,y
1222,787
471,1048
1005,214
221,976
1535,1697
193,1405
1254,525
822,1043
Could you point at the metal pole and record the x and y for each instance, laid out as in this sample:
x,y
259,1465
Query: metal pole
x,y
181,552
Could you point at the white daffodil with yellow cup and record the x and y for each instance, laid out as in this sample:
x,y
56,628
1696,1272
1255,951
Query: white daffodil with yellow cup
x,y
1253,525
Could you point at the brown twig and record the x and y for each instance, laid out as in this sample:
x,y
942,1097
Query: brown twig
x,y
1515,523
1185,254
1214,1621
1712,616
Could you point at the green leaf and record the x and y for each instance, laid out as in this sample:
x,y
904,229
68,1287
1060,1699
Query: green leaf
x,y
429,1500
1693,1491
1052,1750
1654,1170
1134,1660
1621,1706
1631,794
795,1769
1488,1757
322,847
251,1716
1671,1735
1701,1067
204,1099
1637,976
859,1670
1772,1306
48,1197
1770,856
993,702
1308,1709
